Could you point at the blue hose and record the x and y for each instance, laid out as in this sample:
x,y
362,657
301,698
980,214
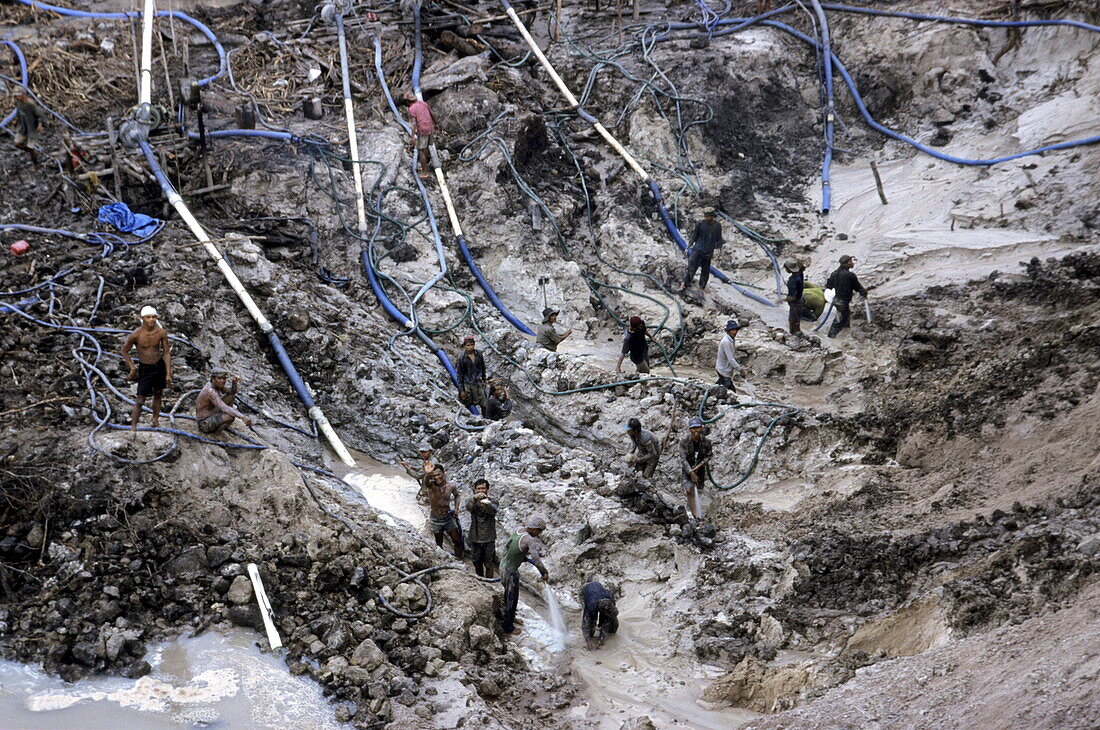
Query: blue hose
x,y
488,288
963,21
830,108
222,65
23,75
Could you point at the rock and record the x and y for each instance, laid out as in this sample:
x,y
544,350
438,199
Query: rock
x,y
481,637
488,688
1090,545
190,563
247,616
345,711
357,676
336,664
35,536
240,591
217,555
299,320
638,723
367,655
137,670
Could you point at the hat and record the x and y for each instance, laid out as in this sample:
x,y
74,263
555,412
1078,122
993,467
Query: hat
x,y
548,313
710,213
792,265
468,338
732,324
636,321
147,310
536,523
633,425
219,372
424,446
846,258
695,422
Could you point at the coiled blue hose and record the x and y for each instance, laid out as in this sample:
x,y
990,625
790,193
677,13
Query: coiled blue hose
x,y
137,16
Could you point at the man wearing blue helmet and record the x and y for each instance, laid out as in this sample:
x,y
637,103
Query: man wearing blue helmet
x,y
695,452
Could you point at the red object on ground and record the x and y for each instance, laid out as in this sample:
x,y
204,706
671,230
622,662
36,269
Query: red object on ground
x,y
19,248
372,17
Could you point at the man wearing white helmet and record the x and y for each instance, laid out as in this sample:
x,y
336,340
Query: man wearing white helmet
x,y
153,371
523,547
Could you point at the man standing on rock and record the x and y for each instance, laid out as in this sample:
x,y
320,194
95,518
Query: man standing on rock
x,y
645,451
441,517
547,336
796,285
153,372
483,529
843,283
726,362
470,367
705,240
423,127
695,453
214,409
636,345
601,616
424,452
523,547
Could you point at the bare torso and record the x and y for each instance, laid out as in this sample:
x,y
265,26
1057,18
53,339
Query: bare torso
x,y
439,497
151,344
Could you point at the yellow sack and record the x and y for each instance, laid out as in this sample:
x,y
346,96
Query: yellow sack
x,y
813,299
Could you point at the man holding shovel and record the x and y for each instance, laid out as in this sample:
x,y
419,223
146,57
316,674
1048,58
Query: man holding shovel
x,y
695,453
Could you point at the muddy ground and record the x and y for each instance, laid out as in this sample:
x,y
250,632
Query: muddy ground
x,y
916,543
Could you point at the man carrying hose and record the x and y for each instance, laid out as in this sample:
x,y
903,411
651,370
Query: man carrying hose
x,y
423,127
28,119
214,409
796,285
153,372
706,239
483,529
442,519
523,547
843,283
470,368
601,617
695,454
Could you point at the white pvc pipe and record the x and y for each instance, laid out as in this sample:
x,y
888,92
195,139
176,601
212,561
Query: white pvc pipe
x,y
273,637
353,140
145,84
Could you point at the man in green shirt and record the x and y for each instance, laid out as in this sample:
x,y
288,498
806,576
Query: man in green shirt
x,y
523,547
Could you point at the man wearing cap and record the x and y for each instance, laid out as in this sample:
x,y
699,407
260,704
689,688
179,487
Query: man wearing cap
x,y
706,238
470,368
645,451
796,283
483,529
442,519
424,452
636,345
547,336
214,409
843,283
695,453
601,616
523,547
153,372
726,362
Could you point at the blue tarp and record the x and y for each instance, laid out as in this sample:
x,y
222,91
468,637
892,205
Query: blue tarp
x,y
121,217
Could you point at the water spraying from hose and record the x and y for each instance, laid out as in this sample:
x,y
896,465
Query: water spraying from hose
x,y
556,620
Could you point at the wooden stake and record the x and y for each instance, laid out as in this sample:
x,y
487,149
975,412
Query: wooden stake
x,y
878,184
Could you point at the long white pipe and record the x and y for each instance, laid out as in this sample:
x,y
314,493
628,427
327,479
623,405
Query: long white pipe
x,y
353,139
176,202
145,85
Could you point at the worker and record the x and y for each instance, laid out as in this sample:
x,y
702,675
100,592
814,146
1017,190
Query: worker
x,y
695,452
153,372
470,367
483,529
547,336
726,362
843,283
705,240
601,616
424,453
423,127
645,450
214,409
28,120
636,345
499,404
523,547
796,284
442,519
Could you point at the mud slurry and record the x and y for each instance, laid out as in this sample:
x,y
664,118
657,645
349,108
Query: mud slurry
x,y
938,496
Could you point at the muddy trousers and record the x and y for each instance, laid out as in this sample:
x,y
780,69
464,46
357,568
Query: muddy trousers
x,y
794,316
510,579
698,262
842,317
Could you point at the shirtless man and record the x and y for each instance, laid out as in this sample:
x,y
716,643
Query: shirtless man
x,y
153,372
214,409
442,518
424,451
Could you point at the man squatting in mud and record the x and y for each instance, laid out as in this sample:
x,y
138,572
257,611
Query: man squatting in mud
x,y
442,519
214,409
153,372
601,616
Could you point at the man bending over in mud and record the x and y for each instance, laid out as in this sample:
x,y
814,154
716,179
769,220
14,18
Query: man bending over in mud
x,y
601,616
443,519
153,372
214,409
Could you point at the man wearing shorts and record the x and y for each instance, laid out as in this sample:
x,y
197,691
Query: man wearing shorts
x,y
153,371
214,409
442,519
423,127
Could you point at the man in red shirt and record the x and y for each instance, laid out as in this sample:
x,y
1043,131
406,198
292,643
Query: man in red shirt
x,y
423,126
